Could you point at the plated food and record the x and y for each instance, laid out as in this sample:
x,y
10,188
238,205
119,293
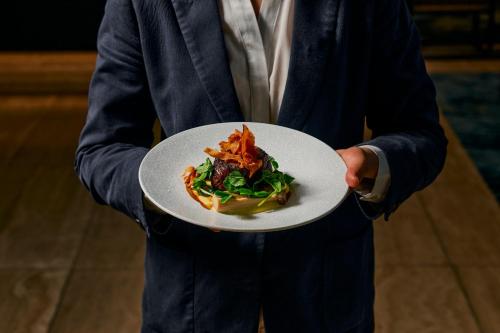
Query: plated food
x,y
242,179
316,191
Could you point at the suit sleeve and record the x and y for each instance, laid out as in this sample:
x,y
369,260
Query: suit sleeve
x,y
119,127
402,110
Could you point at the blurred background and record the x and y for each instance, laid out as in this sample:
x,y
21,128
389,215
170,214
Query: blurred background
x,y
69,265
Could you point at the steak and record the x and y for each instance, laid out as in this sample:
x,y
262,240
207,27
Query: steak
x,y
223,168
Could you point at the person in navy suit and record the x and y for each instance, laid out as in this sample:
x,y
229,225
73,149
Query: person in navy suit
x,y
189,63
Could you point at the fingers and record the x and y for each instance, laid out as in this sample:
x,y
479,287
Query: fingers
x,y
352,179
353,158
360,166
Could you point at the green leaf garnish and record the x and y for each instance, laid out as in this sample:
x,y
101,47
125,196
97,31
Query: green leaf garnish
x,y
288,179
274,163
204,192
236,184
206,167
261,194
226,199
265,199
245,191
234,180
225,196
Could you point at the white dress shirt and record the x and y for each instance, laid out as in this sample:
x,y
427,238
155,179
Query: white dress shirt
x,y
258,49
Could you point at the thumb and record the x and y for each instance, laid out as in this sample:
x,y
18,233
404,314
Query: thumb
x,y
352,158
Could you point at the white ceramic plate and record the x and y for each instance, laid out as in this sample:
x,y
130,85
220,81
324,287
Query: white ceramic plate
x,y
319,172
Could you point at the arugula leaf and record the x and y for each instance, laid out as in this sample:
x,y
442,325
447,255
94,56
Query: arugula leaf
x,y
204,192
235,183
245,191
260,194
278,180
257,182
226,199
276,184
234,180
273,179
225,196
205,169
204,172
288,179
274,163
265,199
198,183
202,176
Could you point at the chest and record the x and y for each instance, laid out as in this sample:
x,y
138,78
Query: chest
x,y
188,64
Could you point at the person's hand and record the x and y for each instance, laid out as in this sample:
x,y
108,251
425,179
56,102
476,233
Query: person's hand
x,y
362,167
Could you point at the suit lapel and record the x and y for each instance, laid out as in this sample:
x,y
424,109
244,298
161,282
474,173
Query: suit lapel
x,y
200,25
315,23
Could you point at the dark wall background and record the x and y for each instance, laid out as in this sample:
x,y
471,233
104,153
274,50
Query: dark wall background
x,y
57,24
50,24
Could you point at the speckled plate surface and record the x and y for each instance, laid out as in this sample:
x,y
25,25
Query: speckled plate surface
x,y
319,185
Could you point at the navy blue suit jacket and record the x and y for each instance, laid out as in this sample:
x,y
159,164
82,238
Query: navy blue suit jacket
x,y
351,60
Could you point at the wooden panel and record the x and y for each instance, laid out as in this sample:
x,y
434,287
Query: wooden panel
x,y
46,226
423,300
483,288
22,107
28,145
45,72
104,301
463,66
43,207
113,241
450,8
28,299
464,211
407,238
22,133
14,131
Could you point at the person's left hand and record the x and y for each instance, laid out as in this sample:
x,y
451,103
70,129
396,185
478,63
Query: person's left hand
x,y
362,167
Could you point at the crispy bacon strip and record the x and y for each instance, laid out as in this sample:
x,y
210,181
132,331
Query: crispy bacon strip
x,y
249,151
233,143
239,148
225,156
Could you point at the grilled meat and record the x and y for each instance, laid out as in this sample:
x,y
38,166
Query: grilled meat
x,y
266,160
223,168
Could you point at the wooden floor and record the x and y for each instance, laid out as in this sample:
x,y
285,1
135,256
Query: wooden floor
x,y
69,265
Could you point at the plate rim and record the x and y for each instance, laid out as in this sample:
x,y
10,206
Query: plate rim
x,y
347,190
